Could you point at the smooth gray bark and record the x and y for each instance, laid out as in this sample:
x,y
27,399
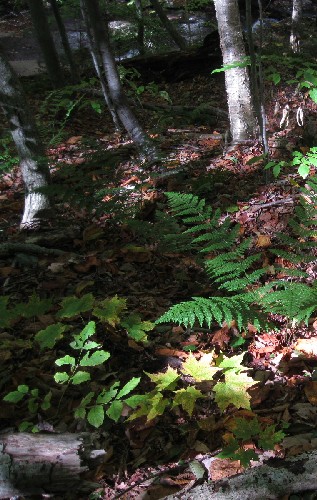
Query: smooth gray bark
x,y
98,28
297,13
241,113
46,42
33,163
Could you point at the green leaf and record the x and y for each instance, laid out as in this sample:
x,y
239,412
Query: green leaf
x,y
136,328
72,306
313,94
128,387
233,391
80,412
110,310
200,369
23,388
94,359
269,437
107,394
245,457
136,400
96,416
158,405
48,337
66,360
25,426
304,170
61,377
229,450
80,340
246,429
233,363
33,405
34,307
13,397
115,409
46,404
187,399
164,380
87,399
80,377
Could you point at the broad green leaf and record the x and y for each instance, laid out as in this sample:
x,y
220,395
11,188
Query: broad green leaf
x,y
96,416
158,405
80,377
164,380
23,388
187,399
313,94
136,400
13,397
61,377
109,310
35,392
246,429
304,170
269,437
72,306
128,387
80,340
200,369
34,307
46,404
25,426
66,360
108,394
90,345
80,412
94,359
87,399
233,363
229,450
33,405
233,391
48,337
245,457
114,411
136,328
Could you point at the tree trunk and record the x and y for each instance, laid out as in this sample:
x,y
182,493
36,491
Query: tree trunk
x,y
35,464
140,23
46,42
33,162
65,42
175,35
100,33
296,21
276,479
241,112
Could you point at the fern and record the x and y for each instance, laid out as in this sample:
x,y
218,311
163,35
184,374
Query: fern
x,y
238,271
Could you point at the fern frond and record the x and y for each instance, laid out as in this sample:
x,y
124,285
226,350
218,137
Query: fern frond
x,y
216,309
295,300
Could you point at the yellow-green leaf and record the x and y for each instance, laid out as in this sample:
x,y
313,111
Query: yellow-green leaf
x,y
109,310
187,398
234,390
200,369
166,380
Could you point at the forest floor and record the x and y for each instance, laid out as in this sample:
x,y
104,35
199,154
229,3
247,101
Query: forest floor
x,y
106,206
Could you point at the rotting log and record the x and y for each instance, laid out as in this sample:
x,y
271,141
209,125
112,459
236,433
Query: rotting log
x,y
278,477
35,464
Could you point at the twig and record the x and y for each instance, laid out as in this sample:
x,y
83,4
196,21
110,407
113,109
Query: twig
x,y
258,206
9,248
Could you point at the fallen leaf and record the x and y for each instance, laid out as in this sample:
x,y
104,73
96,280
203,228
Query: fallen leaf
x,y
308,347
263,241
74,139
310,389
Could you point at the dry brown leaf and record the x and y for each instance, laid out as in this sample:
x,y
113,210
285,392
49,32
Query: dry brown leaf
x,y
263,241
311,392
74,139
308,347
223,467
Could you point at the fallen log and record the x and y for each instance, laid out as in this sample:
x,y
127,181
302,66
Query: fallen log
x,y
37,464
276,478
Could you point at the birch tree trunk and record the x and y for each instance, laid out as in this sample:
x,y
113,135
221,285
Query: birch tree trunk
x,y
98,28
46,42
241,113
296,20
33,163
